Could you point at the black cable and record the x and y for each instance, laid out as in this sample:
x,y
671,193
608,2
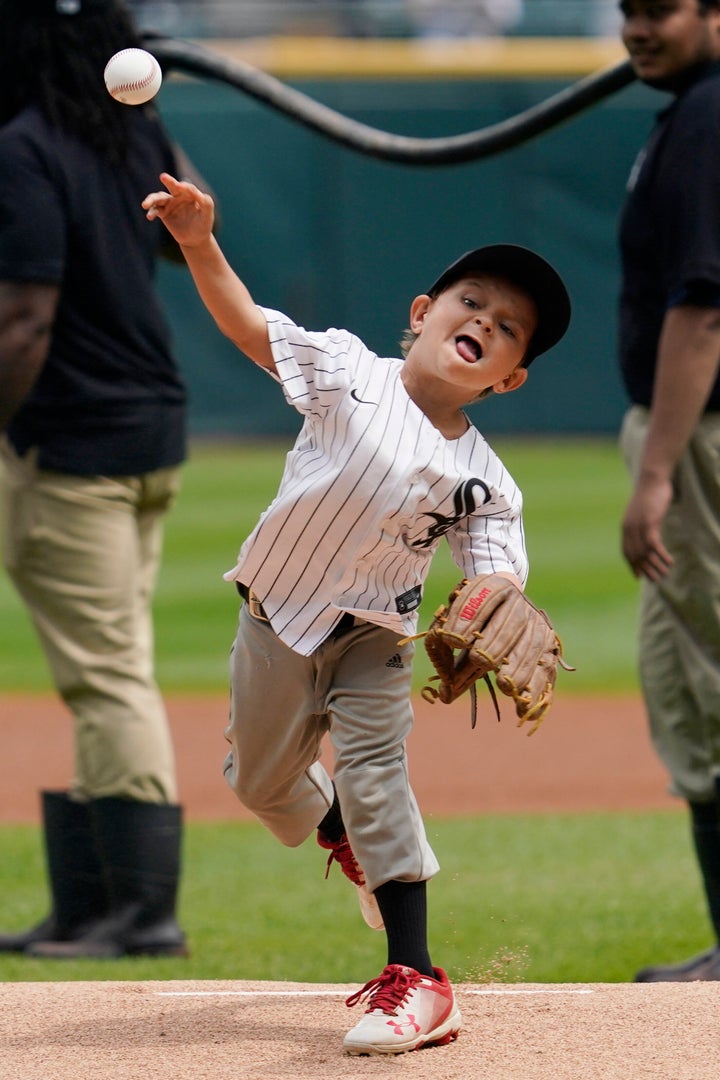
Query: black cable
x,y
449,150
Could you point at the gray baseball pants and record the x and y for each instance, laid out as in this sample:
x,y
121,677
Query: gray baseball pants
x,y
356,688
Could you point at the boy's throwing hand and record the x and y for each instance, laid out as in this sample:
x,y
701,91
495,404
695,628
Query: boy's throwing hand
x,y
186,211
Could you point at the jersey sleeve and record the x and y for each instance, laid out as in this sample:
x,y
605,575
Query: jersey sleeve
x,y
314,368
490,538
32,221
490,544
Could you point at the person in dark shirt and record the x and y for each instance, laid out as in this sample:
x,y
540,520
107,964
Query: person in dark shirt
x,y
670,357
93,423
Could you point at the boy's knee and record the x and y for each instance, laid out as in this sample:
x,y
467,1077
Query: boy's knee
x,y
253,796
279,814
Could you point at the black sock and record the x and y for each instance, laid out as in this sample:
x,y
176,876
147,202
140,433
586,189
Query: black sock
x,y
706,836
403,905
332,826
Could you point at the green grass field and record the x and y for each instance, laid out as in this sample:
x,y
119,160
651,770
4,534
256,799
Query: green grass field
x,y
574,493
547,898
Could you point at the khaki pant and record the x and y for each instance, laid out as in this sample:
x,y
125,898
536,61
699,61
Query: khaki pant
x,y
679,636
83,553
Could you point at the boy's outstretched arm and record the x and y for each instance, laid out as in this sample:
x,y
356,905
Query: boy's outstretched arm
x,y
188,214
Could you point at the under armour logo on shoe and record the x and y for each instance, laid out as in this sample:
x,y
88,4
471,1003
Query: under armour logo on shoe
x,y
400,1027
395,661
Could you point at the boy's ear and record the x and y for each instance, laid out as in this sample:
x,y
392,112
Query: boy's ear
x,y
418,310
513,381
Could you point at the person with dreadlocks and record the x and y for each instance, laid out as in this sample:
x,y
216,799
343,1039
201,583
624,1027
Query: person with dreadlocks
x,y
93,423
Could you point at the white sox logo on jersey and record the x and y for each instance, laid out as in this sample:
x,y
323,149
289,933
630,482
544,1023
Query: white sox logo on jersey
x,y
465,504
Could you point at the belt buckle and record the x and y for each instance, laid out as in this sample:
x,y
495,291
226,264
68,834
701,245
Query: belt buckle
x,y
255,607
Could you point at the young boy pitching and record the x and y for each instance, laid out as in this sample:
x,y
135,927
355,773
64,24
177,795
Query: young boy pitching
x,y
386,464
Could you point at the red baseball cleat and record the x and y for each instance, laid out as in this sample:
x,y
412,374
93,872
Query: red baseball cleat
x,y
406,1011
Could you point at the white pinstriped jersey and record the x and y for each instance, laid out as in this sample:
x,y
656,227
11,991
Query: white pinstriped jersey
x,y
368,491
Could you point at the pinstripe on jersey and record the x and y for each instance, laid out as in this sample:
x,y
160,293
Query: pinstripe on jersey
x,y
367,493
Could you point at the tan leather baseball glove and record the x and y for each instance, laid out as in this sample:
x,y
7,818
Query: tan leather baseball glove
x,y
489,626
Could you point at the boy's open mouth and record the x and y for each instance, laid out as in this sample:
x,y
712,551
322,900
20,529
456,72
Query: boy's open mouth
x,y
468,348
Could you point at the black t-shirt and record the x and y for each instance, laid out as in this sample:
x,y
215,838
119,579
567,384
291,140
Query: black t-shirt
x,y
670,229
110,398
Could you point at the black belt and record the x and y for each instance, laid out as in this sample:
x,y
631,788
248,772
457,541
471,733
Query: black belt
x,y
347,622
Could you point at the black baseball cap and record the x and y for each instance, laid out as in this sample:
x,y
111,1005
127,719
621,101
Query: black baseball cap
x,y
532,273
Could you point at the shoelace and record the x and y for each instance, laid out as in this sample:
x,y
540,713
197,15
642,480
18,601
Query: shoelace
x,y
342,853
388,991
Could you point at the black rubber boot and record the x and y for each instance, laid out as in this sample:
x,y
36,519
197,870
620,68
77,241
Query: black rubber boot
x,y
77,886
702,968
139,845
706,838
705,818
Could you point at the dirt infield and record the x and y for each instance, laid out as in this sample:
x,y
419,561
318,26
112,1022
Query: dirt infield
x,y
590,754
285,1031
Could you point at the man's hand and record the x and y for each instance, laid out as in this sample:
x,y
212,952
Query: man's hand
x,y
642,545
27,313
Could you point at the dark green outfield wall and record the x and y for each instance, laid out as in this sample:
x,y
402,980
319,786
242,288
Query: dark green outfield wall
x,y
335,238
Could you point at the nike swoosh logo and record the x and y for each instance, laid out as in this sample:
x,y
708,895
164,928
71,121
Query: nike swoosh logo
x,y
360,401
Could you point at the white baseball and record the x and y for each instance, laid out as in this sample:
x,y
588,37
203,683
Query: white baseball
x,y
133,76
